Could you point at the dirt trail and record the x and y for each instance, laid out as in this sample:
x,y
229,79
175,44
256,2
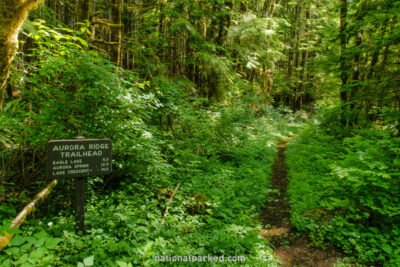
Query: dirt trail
x,y
292,250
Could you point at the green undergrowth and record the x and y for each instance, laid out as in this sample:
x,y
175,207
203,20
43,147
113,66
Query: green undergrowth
x,y
222,158
163,134
345,191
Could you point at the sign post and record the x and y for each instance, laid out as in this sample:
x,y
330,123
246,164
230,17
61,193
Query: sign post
x,y
79,158
80,184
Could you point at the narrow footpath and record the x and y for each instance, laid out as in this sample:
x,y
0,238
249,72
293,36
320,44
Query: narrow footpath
x,y
293,250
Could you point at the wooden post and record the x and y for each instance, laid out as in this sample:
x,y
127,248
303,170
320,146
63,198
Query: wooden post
x,y
80,184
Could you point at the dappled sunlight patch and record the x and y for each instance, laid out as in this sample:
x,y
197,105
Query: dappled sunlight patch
x,y
273,232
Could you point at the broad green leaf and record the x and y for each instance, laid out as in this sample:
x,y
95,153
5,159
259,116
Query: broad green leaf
x,y
89,261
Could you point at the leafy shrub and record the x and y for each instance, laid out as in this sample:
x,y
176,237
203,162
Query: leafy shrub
x,y
226,155
69,92
162,135
346,191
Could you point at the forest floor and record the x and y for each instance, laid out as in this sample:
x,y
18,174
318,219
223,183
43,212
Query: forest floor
x,y
291,249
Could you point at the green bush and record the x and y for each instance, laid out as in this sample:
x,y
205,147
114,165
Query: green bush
x,y
71,92
346,191
162,134
226,156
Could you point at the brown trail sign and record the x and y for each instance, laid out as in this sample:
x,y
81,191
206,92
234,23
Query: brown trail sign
x,y
79,158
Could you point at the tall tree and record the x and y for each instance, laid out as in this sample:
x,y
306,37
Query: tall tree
x,y
12,15
116,31
343,63
84,9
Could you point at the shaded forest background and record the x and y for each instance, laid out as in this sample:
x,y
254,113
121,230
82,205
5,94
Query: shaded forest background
x,y
282,52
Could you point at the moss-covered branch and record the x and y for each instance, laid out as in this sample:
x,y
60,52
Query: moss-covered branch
x,y
15,224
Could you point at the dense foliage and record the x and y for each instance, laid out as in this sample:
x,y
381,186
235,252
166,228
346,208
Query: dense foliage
x,y
196,94
346,190
221,155
223,170
223,188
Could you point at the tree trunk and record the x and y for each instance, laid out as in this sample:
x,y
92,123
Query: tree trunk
x,y
272,8
84,9
304,58
161,22
356,72
12,15
343,65
243,7
354,94
224,24
116,32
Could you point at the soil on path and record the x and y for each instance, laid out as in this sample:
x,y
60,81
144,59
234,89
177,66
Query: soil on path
x,y
293,250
